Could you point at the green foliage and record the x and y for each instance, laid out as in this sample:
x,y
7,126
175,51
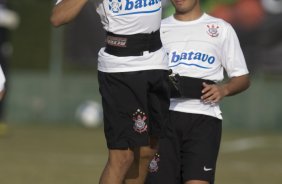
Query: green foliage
x,y
206,5
31,39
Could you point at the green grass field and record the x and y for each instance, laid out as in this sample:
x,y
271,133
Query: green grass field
x,y
74,155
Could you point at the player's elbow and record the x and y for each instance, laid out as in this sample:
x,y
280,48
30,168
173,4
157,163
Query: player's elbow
x,y
2,94
56,21
58,17
247,82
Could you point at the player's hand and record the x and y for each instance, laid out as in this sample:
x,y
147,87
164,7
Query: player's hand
x,y
212,93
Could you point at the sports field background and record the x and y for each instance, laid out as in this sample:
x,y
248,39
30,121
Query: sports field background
x,y
72,155
51,77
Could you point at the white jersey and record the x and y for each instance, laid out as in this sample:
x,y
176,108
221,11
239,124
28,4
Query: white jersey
x,y
202,48
129,17
2,80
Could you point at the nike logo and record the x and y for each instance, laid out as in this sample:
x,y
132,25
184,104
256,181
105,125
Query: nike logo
x,y
207,169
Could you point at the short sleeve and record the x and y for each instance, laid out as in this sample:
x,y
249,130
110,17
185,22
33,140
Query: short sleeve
x,y
2,80
233,59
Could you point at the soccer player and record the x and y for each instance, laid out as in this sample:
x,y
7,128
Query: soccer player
x,y
133,82
200,48
8,21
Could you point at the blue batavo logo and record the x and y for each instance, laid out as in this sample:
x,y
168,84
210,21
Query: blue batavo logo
x,y
184,57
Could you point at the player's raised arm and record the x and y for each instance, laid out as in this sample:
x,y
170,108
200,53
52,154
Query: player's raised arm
x,y
66,10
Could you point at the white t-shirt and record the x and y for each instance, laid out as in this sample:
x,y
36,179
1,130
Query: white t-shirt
x,y
2,80
129,17
202,48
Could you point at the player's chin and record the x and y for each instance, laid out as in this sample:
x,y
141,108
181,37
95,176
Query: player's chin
x,y
180,9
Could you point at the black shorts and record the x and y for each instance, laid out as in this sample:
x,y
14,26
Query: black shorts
x,y
192,153
135,107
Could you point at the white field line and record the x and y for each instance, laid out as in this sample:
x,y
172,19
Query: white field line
x,y
243,144
59,158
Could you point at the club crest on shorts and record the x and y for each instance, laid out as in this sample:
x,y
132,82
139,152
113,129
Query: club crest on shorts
x,y
115,5
154,164
213,30
139,118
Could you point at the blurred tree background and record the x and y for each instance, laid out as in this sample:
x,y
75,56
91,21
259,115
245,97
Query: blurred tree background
x,y
31,41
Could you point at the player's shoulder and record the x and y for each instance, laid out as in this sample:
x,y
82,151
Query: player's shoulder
x,y
167,20
219,24
214,20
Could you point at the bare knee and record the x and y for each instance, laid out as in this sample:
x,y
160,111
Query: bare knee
x,y
196,182
148,152
121,158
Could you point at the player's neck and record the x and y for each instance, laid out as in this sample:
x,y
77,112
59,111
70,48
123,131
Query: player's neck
x,y
188,16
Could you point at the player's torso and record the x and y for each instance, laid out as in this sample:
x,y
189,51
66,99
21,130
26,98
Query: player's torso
x,y
194,48
130,16
127,17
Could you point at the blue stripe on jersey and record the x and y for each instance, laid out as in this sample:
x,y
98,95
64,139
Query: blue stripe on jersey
x,y
183,63
141,12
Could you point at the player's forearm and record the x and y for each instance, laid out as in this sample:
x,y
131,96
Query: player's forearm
x,y
236,85
2,84
65,11
2,94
